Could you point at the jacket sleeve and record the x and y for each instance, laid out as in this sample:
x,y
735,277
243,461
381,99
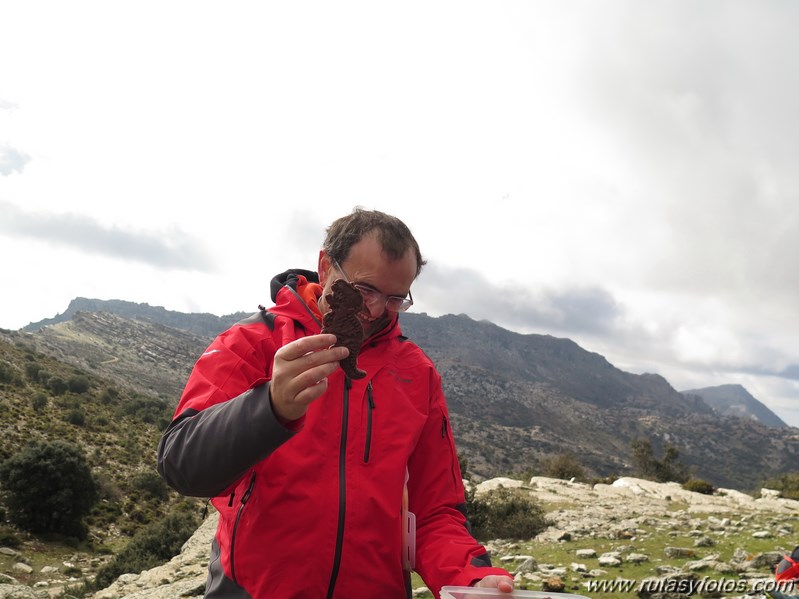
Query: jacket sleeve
x,y
224,423
446,553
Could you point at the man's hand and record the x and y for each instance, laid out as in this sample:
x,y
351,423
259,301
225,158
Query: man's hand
x,y
300,371
501,583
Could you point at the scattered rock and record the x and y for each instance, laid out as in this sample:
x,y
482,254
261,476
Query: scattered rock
x,y
595,573
553,584
769,559
575,567
18,591
609,561
495,483
704,542
528,565
677,552
636,558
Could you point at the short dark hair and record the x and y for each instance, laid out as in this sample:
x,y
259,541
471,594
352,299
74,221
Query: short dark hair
x,y
394,235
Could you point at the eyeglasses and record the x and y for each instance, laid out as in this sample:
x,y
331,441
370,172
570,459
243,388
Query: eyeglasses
x,y
374,298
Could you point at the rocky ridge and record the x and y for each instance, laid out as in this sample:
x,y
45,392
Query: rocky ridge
x,y
515,400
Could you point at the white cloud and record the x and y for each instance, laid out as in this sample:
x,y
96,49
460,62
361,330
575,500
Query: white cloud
x,y
622,173
168,249
12,160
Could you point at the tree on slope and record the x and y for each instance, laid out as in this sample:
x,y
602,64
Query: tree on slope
x,y
49,487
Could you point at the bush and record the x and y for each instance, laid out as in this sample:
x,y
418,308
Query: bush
x,y
57,385
787,485
9,539
664,470
76,416
49,488
505,514
152,484
151,546
564,466
39,401
32,372
7,373
109,395
697,485
78,384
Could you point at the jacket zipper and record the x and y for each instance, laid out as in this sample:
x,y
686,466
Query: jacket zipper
x,y
342,488
371,407
244,499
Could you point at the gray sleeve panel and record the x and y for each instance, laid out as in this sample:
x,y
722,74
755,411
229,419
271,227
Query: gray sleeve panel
x,y
203,453
217,585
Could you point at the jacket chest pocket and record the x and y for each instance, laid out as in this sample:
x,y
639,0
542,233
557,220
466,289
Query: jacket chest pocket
x,y
390,425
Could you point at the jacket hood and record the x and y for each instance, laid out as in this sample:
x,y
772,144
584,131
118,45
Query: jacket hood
x,y
295,293
292,277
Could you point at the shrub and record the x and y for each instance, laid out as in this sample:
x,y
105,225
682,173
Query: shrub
x,y
663,470
78,383
787,485
76,416
564,466
697,485
152,545
57,385
32,371
39,401
49,488
9,539
7,373
463,464
109,395
505,514
152,484
148,410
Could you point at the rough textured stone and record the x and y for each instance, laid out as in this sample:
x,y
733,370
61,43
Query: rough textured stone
x,y
18,591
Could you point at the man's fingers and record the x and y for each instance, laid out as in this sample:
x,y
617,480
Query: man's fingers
x,y
309,394
300,347
299,373
312,376
310,360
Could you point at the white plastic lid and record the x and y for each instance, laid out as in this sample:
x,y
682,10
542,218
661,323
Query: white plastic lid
x,y
478,593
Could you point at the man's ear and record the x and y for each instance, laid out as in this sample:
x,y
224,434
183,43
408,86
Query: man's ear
x,y
323,266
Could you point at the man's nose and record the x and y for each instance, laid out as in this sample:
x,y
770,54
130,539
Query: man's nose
x,y
374,309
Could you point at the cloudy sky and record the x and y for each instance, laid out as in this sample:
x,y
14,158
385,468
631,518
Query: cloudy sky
x,y
621,173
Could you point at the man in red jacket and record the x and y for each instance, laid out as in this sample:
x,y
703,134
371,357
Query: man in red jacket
x,y
318,477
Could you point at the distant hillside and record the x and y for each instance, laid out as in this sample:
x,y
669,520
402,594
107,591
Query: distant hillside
x,y
522,398
515,400
199,324
46,399
735,400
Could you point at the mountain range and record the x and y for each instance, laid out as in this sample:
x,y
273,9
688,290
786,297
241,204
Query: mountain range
x,y
735,400
515,400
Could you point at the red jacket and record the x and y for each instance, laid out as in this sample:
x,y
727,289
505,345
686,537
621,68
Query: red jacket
x,y
316,511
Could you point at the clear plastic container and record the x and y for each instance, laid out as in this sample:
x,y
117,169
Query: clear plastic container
x,y
478,593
